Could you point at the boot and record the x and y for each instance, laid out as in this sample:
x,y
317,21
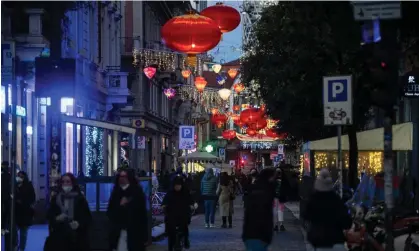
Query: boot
x,y
282,228
276,229
230,221
224,218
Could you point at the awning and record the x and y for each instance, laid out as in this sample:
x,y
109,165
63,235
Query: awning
x,y
97,123
371,140
199,156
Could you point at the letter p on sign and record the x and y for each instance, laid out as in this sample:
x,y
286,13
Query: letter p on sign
x,y
338,90
187,133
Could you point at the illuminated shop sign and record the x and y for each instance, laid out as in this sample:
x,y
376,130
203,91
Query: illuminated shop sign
x,y
411,85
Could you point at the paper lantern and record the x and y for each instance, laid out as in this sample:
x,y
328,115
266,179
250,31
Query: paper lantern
x,y
236,108
238,88
169,92
191,34
227,18
150,72
232,73
224,93
258,125
216,68
239,123
250,115
251,132
214,110
271,133
220,79
229,134
235,117
200,83
218,119
186,73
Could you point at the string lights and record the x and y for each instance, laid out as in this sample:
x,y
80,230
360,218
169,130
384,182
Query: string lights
x,y
166,61
94,151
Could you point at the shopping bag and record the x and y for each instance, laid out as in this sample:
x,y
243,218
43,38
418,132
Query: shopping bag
x,y
122,242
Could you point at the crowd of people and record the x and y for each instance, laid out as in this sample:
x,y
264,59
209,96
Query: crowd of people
x,y
264,195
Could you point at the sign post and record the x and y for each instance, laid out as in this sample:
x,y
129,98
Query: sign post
x,y
186,140
337,107
222,153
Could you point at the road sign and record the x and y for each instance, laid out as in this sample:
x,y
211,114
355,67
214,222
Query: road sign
x,y
280,149
337,100
369,10
141,142
278,158
186,137
222,153
7,56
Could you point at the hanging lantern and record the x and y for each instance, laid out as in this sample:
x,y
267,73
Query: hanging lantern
x,y
235,117
218,119
150,72
220,79
239,123
259,125
214,111
186,73
271,133
216,68
224,93
227,18
169,92
191,34
251,132
238,88
232,73
250,115
200,83
229,134
236,108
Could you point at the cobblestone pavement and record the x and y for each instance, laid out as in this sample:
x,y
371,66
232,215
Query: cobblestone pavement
x,y
215,239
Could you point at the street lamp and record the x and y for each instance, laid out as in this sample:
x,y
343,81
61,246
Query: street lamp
x,y
209,148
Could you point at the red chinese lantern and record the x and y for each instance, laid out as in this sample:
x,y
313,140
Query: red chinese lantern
x,y
150,72
258,125
232,73
225,16
235,117
186,73
250,115
238,88
271,133
214,111
263,108
200,83
191,34
229,134
218,119
239,123
236,108
251,132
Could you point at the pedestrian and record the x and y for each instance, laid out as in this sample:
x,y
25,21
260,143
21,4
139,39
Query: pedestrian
x,y
209,195
225,191
5,205
25,199
69,218
127,214
250,179
177,204
278,205
326,215
258,217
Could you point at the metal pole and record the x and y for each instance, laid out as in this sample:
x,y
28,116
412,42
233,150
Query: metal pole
x,y
340,167
13,164
388,180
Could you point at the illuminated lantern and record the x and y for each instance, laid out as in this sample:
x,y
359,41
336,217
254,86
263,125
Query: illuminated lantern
x,y
235,117
232,73
251,132
214,110
227,18
218,119
251,115
239,123
229,134
220,79
271,133
236,108
150,72
169,92
200,83
224,93
259,125
238,88
191,34
186,73
263,108
216,68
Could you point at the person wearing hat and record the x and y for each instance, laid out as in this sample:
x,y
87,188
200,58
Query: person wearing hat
x,y
327,216
177,205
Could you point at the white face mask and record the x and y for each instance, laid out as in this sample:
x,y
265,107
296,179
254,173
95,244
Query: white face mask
x,y
124,187
19,180
67,189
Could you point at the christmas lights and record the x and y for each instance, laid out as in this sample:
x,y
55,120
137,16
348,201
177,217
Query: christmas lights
x,y
165,60
94,151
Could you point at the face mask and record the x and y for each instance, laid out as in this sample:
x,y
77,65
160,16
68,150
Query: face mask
x,y
124,187
19,180
67,189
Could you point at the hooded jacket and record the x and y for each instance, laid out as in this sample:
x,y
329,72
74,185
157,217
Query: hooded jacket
x,y
209,185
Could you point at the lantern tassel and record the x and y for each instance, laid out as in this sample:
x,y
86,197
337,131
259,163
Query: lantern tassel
x,y
191,60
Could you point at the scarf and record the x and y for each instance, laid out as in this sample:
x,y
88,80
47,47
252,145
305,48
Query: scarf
x,y
65,202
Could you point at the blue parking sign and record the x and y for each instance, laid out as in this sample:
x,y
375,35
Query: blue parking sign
x,y
338,90
186,137
337,100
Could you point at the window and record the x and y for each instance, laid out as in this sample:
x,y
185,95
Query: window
x,y
67,106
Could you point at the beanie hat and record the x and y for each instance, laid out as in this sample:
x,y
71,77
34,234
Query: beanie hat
x,y
324,182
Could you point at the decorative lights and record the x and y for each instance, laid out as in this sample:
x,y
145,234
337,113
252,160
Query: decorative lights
x,y
209,148
232,73
236,108
229,134
169,92
214,111
150,72
216,68
186,73
224,93
226,17
221,79
94,151
238,88
166,61
218,119
200,84
251,132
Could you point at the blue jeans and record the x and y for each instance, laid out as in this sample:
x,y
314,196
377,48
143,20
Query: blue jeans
x,y
209,206
255,245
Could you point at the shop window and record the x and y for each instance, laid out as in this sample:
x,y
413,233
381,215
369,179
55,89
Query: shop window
x,y
67,106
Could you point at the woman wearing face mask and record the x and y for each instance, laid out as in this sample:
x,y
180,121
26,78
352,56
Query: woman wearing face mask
x,y
127,213
25,198
69,217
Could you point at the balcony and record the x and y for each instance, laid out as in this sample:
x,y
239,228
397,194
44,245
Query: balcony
x,y
118,91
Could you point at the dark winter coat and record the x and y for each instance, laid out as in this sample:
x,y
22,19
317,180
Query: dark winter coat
x,y
258,217
5,198
25,198
209,186
62,237
177,208
327,216
131,217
